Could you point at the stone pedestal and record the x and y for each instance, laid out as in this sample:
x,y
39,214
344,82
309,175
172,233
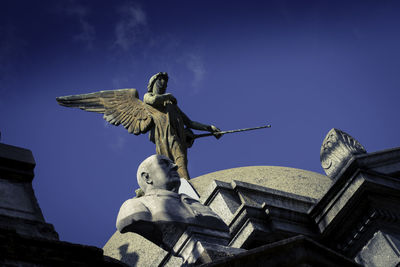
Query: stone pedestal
x,y
25,238
19,209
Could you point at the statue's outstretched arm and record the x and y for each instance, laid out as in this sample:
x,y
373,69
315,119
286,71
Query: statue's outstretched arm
x,y
199,126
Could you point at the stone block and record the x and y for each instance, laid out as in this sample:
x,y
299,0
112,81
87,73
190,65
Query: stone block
x,y
223,200
383,249
251,234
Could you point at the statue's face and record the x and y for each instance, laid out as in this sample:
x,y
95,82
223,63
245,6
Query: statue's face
x,y
160,85
163,173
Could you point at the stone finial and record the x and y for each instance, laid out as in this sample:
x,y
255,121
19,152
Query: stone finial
x,y
337,149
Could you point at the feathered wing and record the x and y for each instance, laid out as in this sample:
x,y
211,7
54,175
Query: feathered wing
x,y
118,106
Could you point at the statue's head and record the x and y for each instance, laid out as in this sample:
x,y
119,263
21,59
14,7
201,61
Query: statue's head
x,y
158,83
158,172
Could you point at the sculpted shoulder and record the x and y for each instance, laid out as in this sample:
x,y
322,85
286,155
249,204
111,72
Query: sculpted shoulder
x,y
131,212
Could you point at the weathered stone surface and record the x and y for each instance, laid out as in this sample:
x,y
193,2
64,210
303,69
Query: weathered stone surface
x,y
291,180
356,214
208,252
296,251
347,218
337,149
18,200
223,200
16,163
200,245
383,249
25,238
135,250
385,162
19,209
305,185
259,215
361,202
252,194
29,228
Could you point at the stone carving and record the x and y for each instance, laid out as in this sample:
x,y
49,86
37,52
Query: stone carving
x,y
337,149
162,215
159,113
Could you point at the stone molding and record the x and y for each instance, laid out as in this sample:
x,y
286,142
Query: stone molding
x,y
261,214
377,219
360,203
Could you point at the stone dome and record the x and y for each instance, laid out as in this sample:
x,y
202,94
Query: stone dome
x,y
291,180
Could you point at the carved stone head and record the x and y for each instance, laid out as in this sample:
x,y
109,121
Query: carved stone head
x,y
158,172
160,80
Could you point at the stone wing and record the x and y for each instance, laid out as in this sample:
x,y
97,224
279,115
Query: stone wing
x,y
118,106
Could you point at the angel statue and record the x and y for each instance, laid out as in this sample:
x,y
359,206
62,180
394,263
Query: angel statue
x,y
159,113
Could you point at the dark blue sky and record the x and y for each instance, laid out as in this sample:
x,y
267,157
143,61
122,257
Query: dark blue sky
x,y
303,66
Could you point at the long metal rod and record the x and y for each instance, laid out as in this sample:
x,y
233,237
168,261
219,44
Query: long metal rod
x,y
231,131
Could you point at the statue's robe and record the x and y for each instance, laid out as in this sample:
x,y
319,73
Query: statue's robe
x,y
169,135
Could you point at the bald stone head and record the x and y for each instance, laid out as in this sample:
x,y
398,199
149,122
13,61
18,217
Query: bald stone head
x,y
158,172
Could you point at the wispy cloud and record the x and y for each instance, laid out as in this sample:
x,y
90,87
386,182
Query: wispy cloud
x,y
131,26
134,37
87,31
195,64
106,124
116,137
192,63
118,143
